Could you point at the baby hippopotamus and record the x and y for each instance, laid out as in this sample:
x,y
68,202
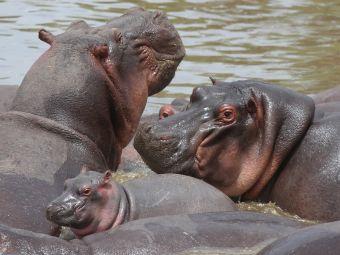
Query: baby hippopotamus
x,y
92,202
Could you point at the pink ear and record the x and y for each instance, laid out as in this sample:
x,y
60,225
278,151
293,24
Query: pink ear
x,y
100,51
84,169
107,176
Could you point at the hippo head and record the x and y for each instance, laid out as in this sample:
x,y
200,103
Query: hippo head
x,y
233,135
90,203
155,43
97,80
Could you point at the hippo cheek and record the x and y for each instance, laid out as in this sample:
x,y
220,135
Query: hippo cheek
x,y
217,163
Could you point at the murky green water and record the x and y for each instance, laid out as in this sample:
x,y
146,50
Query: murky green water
x,y
292,43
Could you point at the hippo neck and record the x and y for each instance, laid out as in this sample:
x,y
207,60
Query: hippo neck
x,y
123,210
77,93
284,122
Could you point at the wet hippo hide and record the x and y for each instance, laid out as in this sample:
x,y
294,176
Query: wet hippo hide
x,y
92,202
254,141
319,239
327,96
80,104
231,232
7,93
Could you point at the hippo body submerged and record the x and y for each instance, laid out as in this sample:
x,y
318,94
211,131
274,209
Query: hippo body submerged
x,y
92,202
80,104
231,232
319,239
253,140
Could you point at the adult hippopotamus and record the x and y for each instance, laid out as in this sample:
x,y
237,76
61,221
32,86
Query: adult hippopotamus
x,y
254,140
208,233
92,202
80,104
315,240
7,94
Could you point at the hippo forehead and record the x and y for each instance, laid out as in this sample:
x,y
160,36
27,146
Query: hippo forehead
x,y
216,95
89,178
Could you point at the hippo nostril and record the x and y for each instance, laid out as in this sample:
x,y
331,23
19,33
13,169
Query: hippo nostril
x,y
148,128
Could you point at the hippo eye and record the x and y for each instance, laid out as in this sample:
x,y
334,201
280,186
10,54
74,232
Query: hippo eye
x,y
86,192
166,111
227,114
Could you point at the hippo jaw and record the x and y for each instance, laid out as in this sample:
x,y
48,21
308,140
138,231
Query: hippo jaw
x,y
91,203
238,158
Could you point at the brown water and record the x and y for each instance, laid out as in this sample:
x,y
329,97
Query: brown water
x,y
292,43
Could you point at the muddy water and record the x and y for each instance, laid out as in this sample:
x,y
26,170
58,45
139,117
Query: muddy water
x,y
292,43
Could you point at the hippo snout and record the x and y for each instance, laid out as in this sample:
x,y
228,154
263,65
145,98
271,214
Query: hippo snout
x,y
55,211
150,132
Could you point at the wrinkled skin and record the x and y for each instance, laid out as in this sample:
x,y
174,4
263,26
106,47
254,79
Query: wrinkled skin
x,y
230,232
253,140
92,202
320,239
80,104
7,94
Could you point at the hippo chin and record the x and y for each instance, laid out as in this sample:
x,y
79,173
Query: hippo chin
x,y
92,202
253,140
80,104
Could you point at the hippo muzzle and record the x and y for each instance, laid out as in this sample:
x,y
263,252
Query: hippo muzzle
x,y
65,210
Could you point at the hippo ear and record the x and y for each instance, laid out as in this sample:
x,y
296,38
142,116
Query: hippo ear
x,y
84,169
46,36
101,51
213,81
252,107
107,177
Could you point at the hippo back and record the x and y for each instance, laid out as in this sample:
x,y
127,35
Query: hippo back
x,y
170,194
31,147
7,93
312,175
232,232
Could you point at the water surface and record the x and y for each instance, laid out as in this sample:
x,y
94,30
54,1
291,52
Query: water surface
x,y
292,43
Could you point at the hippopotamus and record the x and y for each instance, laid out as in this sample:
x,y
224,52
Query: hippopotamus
x,y
230,232
80,104
92,202
253,141
315,240
7,94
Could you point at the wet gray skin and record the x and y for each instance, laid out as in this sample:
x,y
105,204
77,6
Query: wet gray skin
x,y
7,94
92,202
253,140
315,240
80,104
232,232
